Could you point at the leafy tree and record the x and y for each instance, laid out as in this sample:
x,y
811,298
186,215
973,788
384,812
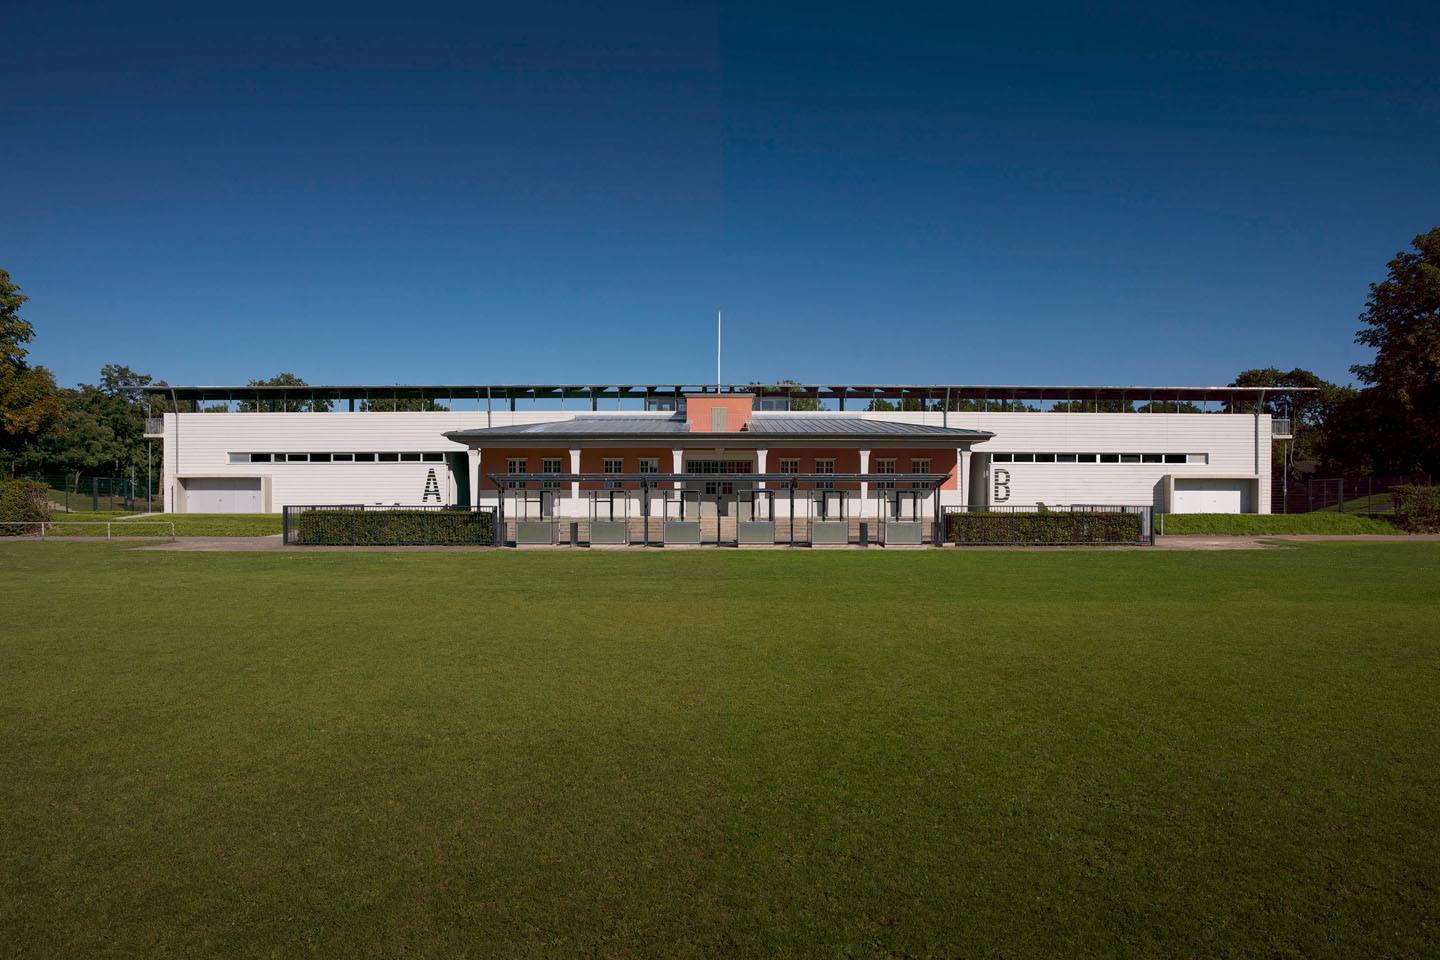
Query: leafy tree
x,y
402,405
1309,411
1402,322
29,399
293,404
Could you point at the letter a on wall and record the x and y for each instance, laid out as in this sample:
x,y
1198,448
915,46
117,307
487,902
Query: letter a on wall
x,y
432,487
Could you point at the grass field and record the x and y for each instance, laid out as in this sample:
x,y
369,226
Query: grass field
x,y
1275,524
186,524
950,754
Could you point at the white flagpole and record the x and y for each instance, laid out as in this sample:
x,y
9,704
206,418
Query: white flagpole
x,y
717,350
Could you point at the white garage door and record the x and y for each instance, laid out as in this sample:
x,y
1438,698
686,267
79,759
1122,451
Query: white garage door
x,y
222,495
1199,495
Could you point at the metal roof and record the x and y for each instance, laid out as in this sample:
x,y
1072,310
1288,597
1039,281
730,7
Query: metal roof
x,y
819,426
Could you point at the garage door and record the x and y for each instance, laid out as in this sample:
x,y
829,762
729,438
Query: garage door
x,y
223,495
1199,495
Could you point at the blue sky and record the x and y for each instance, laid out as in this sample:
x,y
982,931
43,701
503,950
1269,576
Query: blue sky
x,y
566,192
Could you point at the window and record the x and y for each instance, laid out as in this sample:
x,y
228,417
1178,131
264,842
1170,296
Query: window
x,y
388,457
319,458
515,465
295,457
1044,458
1109,458
344,457
1001,458
1024,458
1198,457
1064,458
614,466
650,465
1085,457
550,465
432,457
885,465
1175,458
1129,458
240,458
409,458
789,465
364,458
1151,458
259,458
920,465
826,465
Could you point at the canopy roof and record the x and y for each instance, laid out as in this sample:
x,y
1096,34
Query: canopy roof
x,y
670,428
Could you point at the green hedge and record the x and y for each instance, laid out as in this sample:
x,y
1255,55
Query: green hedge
x,y
22,501
1049,527
397,527
1324,523
1417,509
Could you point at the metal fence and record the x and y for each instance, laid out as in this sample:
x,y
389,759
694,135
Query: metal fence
x,y
69,493
353,525
1340,494
1047,525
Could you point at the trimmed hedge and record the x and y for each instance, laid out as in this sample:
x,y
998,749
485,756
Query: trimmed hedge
x,y
391,527
1324,523
1043,528
22,501
1417,508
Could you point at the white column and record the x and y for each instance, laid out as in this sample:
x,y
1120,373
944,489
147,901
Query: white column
x,y
677,463
574,484
760,454
864,484
474,457
962,475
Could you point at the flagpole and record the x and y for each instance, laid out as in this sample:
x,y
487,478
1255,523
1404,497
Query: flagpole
x,y
717,351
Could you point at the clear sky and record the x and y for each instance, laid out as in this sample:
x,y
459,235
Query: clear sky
x,y
566,192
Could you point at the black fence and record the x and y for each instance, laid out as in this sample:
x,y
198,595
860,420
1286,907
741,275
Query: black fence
x,y
1340,494
69,493
357,525
1098,524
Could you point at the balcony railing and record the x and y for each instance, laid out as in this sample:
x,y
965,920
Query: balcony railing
x,y
1280,427
154,426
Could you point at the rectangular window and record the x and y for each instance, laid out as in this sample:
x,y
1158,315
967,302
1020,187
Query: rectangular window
x,y
1000,458
920,465
409,458
515,465
259,458
1085,458
1109,458
1198,457
613,466
825,466
364,458
240,458
319,458
550,465
789,465
432,457
649,465
1044,458
1129,458
1175,458
1151,458
1024,458
388,457
296,457
344,457
1064,458
885,465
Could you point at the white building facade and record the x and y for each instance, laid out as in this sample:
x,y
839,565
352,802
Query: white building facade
x,y
261,449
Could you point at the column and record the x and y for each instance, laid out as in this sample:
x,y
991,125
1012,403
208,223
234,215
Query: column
x,y
473,455
962,476
760,455
574,484
677,463
864,484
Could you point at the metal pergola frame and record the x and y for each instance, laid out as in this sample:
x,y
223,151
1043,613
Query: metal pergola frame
x,y
787,482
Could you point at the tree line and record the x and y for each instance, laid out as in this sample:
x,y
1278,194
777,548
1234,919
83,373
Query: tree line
x,y
1387,425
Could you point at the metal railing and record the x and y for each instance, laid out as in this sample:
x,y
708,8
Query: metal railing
x,y
1340,494
107,524
353,525
1077,524
71,493
154,427
1280,427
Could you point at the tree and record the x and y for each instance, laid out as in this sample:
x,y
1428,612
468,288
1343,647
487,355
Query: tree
x,y
1402,322
291,404
29,399
1310,411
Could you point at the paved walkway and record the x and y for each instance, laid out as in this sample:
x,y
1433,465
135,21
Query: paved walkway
x,y
1187,542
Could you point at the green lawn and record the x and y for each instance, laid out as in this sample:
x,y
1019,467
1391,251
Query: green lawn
x,y
1274,524
702,753
186,524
